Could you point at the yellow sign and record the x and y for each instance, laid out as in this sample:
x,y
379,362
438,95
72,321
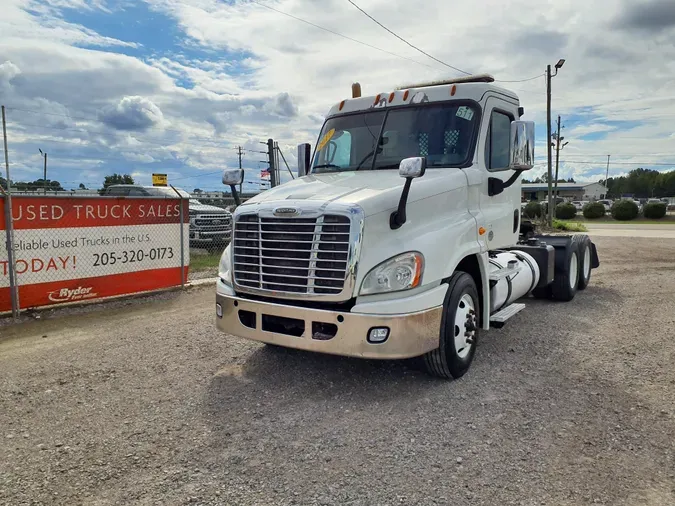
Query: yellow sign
x,y
160,180
329,135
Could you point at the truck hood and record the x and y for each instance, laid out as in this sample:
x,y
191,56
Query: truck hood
x,y
374,191
204,208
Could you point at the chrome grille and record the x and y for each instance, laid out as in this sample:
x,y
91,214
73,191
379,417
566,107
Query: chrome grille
x,y
213,221
294,255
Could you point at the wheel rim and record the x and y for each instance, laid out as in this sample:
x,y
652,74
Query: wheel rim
x,y
465,325
587,262
574,270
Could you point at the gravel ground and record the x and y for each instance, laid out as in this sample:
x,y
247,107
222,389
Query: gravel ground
x,y
145,403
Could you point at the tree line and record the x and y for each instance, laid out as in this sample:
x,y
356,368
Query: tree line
x,y
642,183
39,184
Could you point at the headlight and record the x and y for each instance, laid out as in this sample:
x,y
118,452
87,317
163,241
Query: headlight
x,y
225,266
399,273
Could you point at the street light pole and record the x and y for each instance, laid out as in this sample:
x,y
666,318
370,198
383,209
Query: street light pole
x,y
44,177
549,76
549,215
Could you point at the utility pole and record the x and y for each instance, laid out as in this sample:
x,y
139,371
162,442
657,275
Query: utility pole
x,y
607,178
9,227
272,161
549,76
549,214
558,147
240,153
44,177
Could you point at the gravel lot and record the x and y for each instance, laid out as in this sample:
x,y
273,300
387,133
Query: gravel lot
x,y
143,402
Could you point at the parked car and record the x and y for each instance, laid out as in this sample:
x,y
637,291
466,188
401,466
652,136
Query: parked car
x,y
208,224
607,203
579,204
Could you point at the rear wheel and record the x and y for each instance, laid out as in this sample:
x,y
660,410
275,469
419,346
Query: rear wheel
x,y
566,280
584,248
459,330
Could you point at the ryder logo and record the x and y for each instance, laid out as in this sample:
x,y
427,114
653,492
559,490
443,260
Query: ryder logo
x,y
69,295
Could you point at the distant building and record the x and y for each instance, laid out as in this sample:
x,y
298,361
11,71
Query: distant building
x,y
567,191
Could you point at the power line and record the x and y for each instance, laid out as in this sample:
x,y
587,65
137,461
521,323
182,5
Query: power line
x,y
411,45
519,80
339,34
623,163
384,50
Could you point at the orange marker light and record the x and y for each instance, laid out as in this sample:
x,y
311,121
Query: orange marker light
x,y
391,96
481,231
453,90
377,99
342,104
418,271
405,95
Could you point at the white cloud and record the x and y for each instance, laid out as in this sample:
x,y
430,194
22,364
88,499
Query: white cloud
x,y
195,110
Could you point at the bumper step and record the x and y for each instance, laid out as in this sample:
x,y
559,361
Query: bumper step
x,y
500,317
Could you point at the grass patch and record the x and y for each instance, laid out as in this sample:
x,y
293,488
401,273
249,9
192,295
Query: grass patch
x,y
204,262
669,219
569,226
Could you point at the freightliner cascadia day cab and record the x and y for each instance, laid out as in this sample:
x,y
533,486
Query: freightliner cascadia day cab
x,y
403,238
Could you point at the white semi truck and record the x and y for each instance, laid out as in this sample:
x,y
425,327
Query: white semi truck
x,y
403,238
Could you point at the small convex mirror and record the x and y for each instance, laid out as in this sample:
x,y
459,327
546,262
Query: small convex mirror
x,y
412,167
233,176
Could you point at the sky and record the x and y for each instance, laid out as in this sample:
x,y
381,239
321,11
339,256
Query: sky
x,y
174,86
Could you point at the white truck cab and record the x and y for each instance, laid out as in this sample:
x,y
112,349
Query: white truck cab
x,y
402,238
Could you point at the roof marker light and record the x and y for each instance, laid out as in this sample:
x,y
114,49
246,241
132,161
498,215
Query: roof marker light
x,y
377,98
405,95
342,104
453,90
391,96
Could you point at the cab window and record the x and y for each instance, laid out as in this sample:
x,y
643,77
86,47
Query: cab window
x,y
498,142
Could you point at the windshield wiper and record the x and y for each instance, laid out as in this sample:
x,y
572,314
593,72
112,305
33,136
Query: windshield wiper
x,y
327,166
388,166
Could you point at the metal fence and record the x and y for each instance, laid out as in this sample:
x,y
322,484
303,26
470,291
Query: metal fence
x,y
58,249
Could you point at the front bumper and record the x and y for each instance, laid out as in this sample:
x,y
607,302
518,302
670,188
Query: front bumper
x,y
410,335
198,236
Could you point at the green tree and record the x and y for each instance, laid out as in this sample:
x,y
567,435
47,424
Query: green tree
x,y
38,184
82,187
117,179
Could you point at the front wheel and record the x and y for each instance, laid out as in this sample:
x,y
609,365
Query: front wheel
x,y
459,329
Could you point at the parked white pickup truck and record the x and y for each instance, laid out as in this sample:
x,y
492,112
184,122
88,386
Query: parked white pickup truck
x,y
402,238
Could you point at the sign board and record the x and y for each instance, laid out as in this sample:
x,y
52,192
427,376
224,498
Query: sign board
x,y
71,248
160,180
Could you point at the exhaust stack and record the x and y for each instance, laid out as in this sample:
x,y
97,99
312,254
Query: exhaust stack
x,y
356,90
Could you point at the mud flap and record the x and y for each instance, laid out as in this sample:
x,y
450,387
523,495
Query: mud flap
x,y
595,260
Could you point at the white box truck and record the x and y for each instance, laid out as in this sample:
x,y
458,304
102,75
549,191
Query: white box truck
x,y
403,237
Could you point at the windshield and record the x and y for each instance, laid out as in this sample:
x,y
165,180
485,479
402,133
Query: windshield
x,y
443,133
161,191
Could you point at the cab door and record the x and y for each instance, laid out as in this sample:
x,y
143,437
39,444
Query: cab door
x,y
501,212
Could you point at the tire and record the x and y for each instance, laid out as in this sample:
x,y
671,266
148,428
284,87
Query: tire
x,y
585,259
446,361
566,280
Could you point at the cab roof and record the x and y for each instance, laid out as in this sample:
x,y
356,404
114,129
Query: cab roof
x,y
462,88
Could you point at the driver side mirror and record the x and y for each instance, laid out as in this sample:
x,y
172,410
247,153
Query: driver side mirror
x,y
522,145
412,167
233,176
304,155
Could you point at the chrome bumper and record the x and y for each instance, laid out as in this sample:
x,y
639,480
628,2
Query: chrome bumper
x,y
410,335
